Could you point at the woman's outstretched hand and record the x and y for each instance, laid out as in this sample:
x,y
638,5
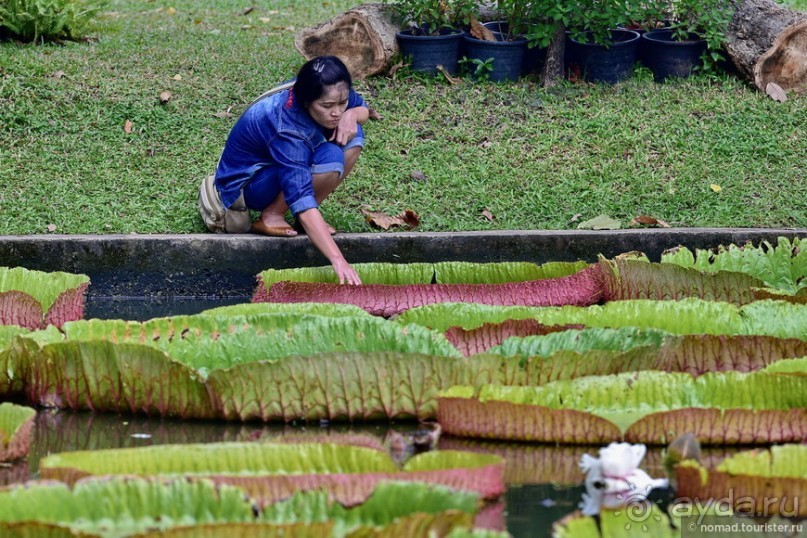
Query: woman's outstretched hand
x,y
345,273
317,230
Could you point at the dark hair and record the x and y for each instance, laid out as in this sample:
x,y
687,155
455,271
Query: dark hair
x,y
317,73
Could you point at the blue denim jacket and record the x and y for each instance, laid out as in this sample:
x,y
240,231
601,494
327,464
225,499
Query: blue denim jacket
x,y
274,132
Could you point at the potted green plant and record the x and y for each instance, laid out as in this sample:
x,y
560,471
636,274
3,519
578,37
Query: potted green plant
x,y
599,48
703,19
536,20
694,38
431,32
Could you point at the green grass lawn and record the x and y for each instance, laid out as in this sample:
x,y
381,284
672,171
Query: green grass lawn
x,y
533,159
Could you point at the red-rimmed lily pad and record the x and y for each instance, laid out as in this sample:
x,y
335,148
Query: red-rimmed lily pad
x,y
426,273
16,425
129,506
35,299
757,482
635,279
270,472
648,407
582,288
687,316
696,354
479,340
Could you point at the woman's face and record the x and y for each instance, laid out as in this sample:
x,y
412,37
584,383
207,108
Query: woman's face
x,y
327,110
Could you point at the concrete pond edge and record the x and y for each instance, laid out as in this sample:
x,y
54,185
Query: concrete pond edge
x,y
210,265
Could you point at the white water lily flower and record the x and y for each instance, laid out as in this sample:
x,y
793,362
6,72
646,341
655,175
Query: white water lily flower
x,y
614,479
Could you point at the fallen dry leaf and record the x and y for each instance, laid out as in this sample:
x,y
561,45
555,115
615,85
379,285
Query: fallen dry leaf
x,y
171,11
575,217
394,68
488,215
374,115
449,78
51,228
776,92
224,113
406,219
57,74
246,26
600,222
127,126
249,10
265,20
177,77
480,31
644,220
715,187
165,97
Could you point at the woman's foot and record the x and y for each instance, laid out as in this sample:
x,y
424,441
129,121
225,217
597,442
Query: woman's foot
x,y
276,227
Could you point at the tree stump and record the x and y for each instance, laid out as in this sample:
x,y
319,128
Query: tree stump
x,y
768,44
363,37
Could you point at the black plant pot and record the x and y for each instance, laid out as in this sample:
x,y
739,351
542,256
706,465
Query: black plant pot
x,y
507,55
427,52
598,63
534,57
667,57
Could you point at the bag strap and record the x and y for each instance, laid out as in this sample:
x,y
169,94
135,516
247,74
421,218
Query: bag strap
x,y
277,89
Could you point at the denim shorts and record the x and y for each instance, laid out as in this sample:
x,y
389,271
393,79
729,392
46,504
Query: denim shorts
x,y
328,157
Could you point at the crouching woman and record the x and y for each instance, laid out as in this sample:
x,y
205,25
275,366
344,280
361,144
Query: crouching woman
x,y
290,150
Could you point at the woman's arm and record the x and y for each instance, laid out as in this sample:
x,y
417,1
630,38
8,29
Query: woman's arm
x,y
317,230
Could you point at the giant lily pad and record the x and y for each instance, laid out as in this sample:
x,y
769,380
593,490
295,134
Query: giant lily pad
x,y
161,366
488,335
639,519
389,502
647,407
390,386
582,288
696,354
634,279
687,316
257,309
129,507
209,342
782,267
270,472
757,482
122,377
9,376
16,425
426,273
35,299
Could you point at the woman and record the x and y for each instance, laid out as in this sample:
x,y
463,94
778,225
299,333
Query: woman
x,y
290,150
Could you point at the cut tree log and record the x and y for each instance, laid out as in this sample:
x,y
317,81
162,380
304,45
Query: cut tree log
x,y
768,44
363,37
